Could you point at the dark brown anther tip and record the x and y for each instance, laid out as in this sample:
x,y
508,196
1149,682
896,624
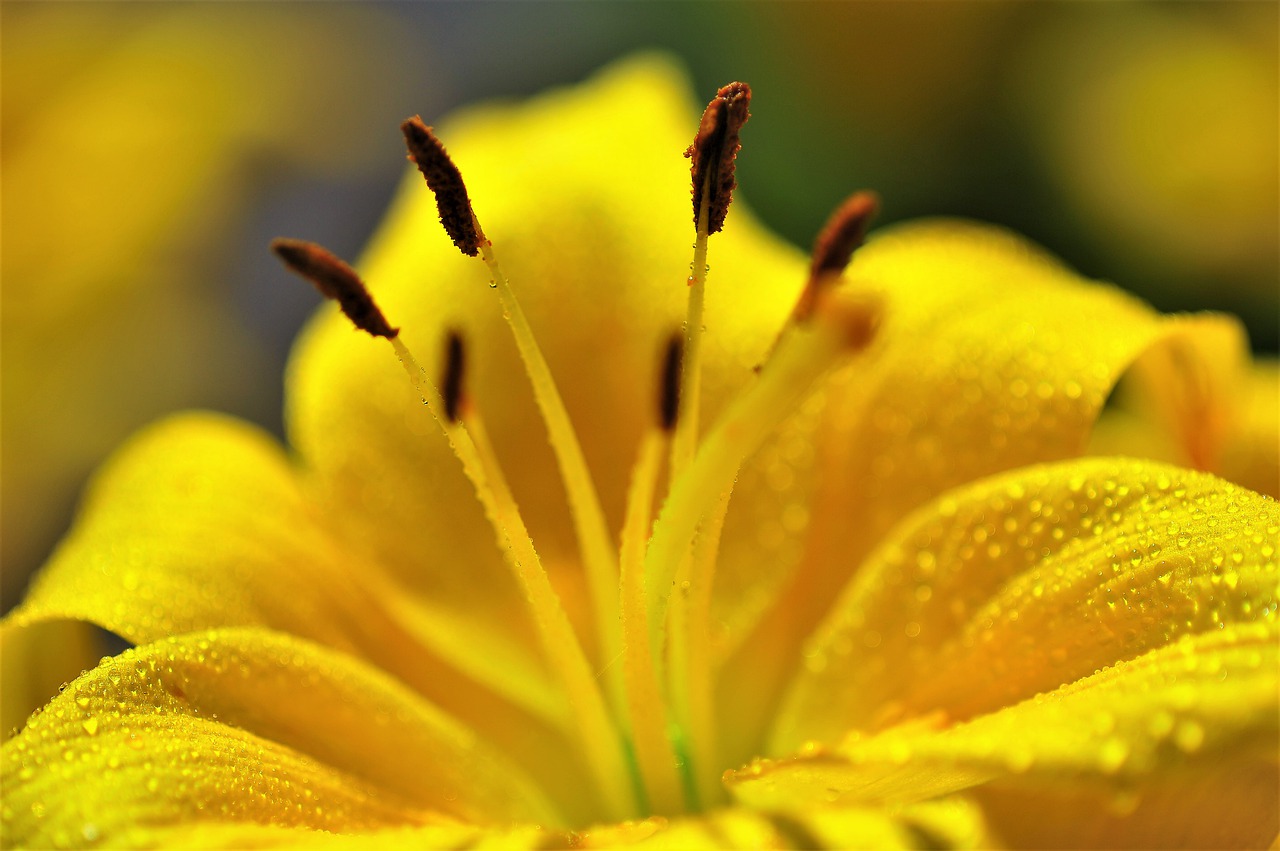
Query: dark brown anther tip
x,y
452,381
840,237
335,280
844,232
669,392
714,152
445,181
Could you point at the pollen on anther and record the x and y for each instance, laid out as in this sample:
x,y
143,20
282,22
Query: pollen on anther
x,y
715,150
452,201
669,392
335,280
452,381
844,232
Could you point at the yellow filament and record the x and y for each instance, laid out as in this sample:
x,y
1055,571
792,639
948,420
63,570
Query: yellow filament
x,y
686,436
594,539
602,747
804,353
690,676
648,710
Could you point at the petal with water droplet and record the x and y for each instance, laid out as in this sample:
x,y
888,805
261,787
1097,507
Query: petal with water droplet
x,y
1037,578
223,725
1222,687
200,521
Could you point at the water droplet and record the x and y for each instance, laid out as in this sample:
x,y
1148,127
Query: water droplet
x,y
91,726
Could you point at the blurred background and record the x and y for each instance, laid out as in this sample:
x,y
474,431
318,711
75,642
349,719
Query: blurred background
x,y
150,151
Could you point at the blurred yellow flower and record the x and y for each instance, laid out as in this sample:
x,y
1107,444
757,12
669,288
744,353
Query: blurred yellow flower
x,y
932,622
128,150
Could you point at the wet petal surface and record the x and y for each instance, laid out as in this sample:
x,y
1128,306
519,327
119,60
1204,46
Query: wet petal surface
x,y
223,725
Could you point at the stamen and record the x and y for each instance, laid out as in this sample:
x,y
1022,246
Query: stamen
x,y
650,717
446,183
713,152
335,280
594,538
841,322
844,232
714,155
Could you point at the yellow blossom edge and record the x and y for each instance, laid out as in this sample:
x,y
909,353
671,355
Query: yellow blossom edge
x,y
1020,583
198,523
254,726
950,823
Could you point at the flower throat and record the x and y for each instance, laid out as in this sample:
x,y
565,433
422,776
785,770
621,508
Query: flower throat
x,y
644,724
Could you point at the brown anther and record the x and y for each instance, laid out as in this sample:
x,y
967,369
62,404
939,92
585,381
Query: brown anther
x,y
446,182
844,232
714,151
452,381
336,280
669,391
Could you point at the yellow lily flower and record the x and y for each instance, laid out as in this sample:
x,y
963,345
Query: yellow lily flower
x,y
932,622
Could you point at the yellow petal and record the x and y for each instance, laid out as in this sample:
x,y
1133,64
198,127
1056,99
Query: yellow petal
x,y
199,523
224,725
1231,805
586,198
210,835
992,356
1026,581
1206,701
950,823
35,662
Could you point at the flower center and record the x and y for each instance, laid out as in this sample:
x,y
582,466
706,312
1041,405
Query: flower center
x,y
644,728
